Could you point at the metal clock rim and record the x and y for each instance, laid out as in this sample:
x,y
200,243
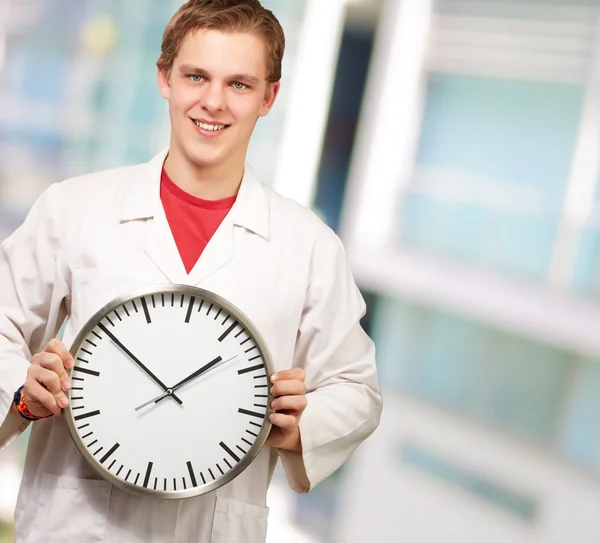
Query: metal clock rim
x,y
266,356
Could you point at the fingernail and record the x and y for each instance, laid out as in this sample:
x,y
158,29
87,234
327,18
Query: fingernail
x,y
67,385
63,402
274,378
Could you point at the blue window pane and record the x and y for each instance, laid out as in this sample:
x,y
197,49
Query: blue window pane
x,y
526,387
449,362
491,136
581,436
521,132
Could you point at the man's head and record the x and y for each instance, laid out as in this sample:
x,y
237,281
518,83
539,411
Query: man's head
x,y
219,69
229,16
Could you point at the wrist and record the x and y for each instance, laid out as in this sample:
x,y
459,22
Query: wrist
x,y
20,406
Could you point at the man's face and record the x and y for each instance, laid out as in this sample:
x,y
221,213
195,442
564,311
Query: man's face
x,y
217,90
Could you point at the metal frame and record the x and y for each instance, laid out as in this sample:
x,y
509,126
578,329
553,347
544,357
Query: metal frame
x,y
266,356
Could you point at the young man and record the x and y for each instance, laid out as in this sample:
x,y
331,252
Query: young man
x,y
195,214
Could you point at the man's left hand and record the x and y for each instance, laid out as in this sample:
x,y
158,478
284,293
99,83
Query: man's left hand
x,y
289,403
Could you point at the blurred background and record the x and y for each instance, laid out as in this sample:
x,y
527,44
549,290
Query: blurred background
x,y
454,145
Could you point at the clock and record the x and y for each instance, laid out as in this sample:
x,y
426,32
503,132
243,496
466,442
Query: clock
x,y
170,392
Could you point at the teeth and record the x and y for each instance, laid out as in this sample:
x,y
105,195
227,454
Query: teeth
x,y
212,127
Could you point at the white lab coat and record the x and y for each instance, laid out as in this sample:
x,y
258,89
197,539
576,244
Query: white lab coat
x,y
90,239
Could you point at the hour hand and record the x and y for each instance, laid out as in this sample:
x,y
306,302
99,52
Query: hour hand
x,y
137,361
204,369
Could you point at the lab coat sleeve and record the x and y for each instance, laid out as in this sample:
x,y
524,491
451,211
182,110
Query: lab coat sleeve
x,y
32,301
344,403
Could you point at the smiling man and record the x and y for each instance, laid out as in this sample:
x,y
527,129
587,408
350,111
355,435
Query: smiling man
x,y
195,215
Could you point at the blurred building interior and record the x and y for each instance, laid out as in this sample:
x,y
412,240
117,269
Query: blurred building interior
x,y
454,145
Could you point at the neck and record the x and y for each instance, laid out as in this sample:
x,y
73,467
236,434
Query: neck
x,y
209,183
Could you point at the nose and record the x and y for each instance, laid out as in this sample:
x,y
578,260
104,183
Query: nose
x,y
213,98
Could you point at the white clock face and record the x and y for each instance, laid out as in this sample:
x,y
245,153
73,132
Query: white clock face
x,y
170,392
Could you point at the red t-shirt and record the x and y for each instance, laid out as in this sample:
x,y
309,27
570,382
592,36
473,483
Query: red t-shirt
x,y
193,221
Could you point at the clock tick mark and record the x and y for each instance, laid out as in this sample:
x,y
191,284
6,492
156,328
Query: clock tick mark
x,y
229,452
192,476
189,311
110,321
111,465
91,342
251,369
211,474
86,351
227,332
100,449
109,453
251,413
86,371
147,477
87,415
203,479
146,312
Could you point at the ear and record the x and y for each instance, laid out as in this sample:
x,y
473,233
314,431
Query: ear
x,y
272,92
163,83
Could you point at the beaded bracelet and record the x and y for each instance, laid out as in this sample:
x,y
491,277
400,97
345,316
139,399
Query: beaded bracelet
x,y
19,400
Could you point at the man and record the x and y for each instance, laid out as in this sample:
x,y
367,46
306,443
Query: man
x,y
195,215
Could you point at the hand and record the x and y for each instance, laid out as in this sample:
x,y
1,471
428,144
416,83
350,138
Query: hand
x,y
131,355
47,380
204,369
290,402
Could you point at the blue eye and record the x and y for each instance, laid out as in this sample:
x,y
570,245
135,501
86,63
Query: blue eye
x,y
196,78
239,86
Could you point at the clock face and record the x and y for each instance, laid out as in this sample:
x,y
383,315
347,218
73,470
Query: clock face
x,y
170,392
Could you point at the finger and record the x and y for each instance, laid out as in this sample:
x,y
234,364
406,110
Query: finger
x,y
295,404
35,392
56,346
50,380
283,421
54,363
291,374
288,388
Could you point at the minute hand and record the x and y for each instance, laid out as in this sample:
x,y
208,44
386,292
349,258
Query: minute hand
x,y
137,361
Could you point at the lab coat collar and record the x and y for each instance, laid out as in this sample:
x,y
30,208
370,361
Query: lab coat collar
x,y
142,201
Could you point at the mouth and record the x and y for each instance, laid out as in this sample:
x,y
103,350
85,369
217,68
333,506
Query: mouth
x,y
210,127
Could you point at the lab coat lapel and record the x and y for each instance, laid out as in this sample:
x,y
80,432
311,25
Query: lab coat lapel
x,y
250,212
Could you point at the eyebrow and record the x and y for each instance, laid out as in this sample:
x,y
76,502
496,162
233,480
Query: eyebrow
x,y
194,70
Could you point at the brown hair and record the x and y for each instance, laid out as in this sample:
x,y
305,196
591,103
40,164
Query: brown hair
x,y
226,16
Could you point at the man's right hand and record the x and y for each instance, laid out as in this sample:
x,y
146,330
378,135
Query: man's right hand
x,y
47,380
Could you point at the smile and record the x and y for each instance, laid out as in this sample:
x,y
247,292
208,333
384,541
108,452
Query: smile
x,y
209,126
